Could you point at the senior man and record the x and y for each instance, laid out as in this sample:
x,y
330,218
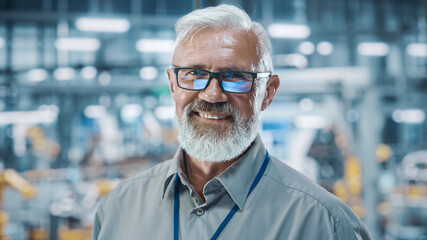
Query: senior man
x,y
222,183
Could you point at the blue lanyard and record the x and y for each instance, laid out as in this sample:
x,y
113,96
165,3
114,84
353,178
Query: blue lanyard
x,y
230,214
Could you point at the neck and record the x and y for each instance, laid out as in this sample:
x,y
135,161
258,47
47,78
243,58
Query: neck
x,y
201,172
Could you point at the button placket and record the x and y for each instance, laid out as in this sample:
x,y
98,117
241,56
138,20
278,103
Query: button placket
x,y
200,212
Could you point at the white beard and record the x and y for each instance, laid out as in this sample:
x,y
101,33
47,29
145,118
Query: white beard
x,y
216,143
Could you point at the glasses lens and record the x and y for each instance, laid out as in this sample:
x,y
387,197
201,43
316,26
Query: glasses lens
x,y
195,79
238,82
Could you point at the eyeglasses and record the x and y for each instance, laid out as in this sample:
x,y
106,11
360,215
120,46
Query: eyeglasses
x,y
231,81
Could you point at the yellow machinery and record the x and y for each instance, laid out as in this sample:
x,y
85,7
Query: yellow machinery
x,y
10,177
349,189
104,186
74,234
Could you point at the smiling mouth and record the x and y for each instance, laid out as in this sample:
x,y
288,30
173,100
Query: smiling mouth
x,y
213,116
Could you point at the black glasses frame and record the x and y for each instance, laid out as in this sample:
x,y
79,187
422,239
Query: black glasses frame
x,y
217,76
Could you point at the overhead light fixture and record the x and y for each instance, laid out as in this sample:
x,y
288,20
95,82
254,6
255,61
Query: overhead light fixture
x,y
306,48
64,74
37,75
95,111
130,112
414,116
155,45
88,72
306,104
408,116
289,31
28,117
52,108
117,25
325,48
77,44
148,73
104,78
417,49
2,42
165,112
376,49
292,60
311,122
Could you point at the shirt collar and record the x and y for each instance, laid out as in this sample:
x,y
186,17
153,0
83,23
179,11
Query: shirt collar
x,y
236,179
173,169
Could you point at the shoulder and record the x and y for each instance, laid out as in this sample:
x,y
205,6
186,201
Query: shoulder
x,y
150,180
293,184
156,171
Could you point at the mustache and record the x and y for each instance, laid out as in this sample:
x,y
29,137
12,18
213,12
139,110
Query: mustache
x,y
221,107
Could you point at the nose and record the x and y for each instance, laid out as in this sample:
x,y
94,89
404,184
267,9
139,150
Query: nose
x,y
213,92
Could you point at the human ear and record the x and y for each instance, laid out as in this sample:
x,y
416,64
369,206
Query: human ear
x,y
272,86
171,77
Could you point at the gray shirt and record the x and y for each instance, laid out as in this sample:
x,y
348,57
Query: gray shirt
x,y
284,205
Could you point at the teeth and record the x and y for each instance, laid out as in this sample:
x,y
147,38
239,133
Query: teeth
x,y
204,115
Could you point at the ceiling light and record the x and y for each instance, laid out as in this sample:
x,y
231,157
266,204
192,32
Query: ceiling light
x,y
130,111
148,73
117,25
306,48
417,49
95,111
155,45
165,112
37,75
77,44
64,74
306,104
28,117
52,108
397,116
289,31
408,116
88,72
377,49
325,48
292,60
414,116
311,122
104,78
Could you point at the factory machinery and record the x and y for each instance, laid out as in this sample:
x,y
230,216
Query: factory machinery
x,y
83,108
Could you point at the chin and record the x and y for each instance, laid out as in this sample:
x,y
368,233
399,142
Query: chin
x,y
215,131
216,143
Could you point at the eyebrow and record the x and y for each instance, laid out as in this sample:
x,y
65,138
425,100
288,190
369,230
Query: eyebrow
x,y
223,69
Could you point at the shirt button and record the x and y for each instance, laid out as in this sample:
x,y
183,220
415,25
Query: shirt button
x,y
200,212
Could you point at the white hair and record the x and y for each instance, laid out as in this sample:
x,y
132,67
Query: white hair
x,y
226,17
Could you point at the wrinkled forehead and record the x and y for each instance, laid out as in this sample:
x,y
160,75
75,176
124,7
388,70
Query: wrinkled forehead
x,y
217,43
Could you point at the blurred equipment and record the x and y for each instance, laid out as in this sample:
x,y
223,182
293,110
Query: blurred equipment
x,y
408,214
10,177
85,103
38,234
74,234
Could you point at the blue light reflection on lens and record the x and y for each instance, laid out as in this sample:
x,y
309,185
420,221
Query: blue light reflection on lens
x,y
240,86
200,83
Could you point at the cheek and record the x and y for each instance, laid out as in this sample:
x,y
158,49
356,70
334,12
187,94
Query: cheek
x,y
247,110
182,98
243,104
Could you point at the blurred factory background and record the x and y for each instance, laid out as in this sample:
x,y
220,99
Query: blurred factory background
x,y
84,103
